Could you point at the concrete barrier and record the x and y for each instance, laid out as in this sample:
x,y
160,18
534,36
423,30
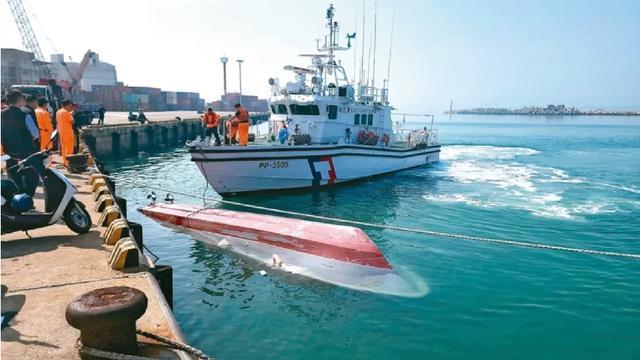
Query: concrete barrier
x,y
124,140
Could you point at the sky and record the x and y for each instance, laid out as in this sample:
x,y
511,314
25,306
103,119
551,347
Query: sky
x,y
494,53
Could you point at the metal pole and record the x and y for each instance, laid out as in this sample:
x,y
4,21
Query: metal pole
x,y
240,77
224,72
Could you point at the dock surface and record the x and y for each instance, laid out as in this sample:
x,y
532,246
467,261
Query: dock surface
x,y
42,274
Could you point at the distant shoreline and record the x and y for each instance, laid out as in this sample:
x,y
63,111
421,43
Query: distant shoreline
x,y
608,113
550,110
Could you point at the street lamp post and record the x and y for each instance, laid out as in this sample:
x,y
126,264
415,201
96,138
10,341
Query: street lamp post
x,y
240,61
224,60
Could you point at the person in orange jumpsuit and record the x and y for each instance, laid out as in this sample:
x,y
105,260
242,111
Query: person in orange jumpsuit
x,y
241,118
44,124
64,118
210,121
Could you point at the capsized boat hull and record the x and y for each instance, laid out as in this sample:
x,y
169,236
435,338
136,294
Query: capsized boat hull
x,y
339,255
234,170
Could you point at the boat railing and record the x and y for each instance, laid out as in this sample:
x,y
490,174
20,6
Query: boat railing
x,y
412,137
373,94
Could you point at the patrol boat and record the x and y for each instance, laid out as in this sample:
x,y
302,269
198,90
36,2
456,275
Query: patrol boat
x,y
339,132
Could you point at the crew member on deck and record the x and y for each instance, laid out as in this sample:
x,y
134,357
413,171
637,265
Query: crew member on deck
x,y
65,130
44,124
241,118
211,120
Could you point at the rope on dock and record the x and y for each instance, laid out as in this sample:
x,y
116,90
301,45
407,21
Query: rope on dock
x,y
89,351
399,228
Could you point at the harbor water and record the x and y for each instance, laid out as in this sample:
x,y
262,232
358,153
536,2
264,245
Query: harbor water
x,y
569,181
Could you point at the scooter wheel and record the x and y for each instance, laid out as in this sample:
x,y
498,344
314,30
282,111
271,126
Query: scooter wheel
x,y
77,218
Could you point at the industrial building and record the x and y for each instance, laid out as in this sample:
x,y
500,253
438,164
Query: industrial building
x,y
96,73
18,67
99,83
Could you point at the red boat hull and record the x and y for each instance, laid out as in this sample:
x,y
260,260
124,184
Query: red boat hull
x,y
336,254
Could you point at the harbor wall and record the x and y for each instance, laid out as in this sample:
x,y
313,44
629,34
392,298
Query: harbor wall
x,y
124,140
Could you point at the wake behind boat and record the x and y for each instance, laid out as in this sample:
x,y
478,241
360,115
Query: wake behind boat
x,y
335,133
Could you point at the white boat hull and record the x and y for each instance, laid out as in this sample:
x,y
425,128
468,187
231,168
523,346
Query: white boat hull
x,y
231,170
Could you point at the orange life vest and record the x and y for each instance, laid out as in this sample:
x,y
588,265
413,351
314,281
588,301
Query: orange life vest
x,y
242,115
211,119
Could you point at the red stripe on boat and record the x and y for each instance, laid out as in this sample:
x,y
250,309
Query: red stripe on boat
x,y
343,243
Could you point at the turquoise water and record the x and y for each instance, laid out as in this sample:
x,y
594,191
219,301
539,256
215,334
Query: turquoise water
x,y
566,181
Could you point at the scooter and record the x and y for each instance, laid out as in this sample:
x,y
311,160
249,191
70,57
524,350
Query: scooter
x,y
17,209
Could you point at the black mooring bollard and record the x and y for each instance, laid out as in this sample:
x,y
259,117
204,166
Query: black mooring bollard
x,y
111,184
164,275
122,204
136,230
107,318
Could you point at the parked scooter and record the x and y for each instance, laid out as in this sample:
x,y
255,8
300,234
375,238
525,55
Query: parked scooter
x,y
17,209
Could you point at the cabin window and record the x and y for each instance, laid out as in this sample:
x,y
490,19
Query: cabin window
x,y
297,109
332,110
370,120
279,108
356,119
342,91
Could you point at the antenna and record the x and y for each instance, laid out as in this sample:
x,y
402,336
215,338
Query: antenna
x,y
393,19
369,59
355,54
363,37
375,32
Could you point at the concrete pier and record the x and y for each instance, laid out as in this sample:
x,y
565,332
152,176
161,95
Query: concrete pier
x,y
120,140
43,272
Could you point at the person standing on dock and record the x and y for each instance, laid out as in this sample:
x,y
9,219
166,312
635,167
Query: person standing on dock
x,y
241,118
44,124
101,112
19,140
29,108
210,122
65,130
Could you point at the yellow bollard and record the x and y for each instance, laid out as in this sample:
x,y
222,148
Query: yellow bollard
x,y
110,214
103,201
94,177
97,184
115,231
103,190
124,254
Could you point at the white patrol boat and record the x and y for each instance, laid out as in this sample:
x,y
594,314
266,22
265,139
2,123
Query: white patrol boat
x,y
336,134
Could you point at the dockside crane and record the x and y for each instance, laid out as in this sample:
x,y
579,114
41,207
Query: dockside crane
x,y
29,39
76,77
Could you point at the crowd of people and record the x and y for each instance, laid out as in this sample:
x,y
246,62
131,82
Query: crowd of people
x,y
27,126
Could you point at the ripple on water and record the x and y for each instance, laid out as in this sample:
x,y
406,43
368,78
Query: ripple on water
x,y
498,180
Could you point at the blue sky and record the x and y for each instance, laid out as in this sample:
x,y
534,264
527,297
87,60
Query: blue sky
x,y
478,53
